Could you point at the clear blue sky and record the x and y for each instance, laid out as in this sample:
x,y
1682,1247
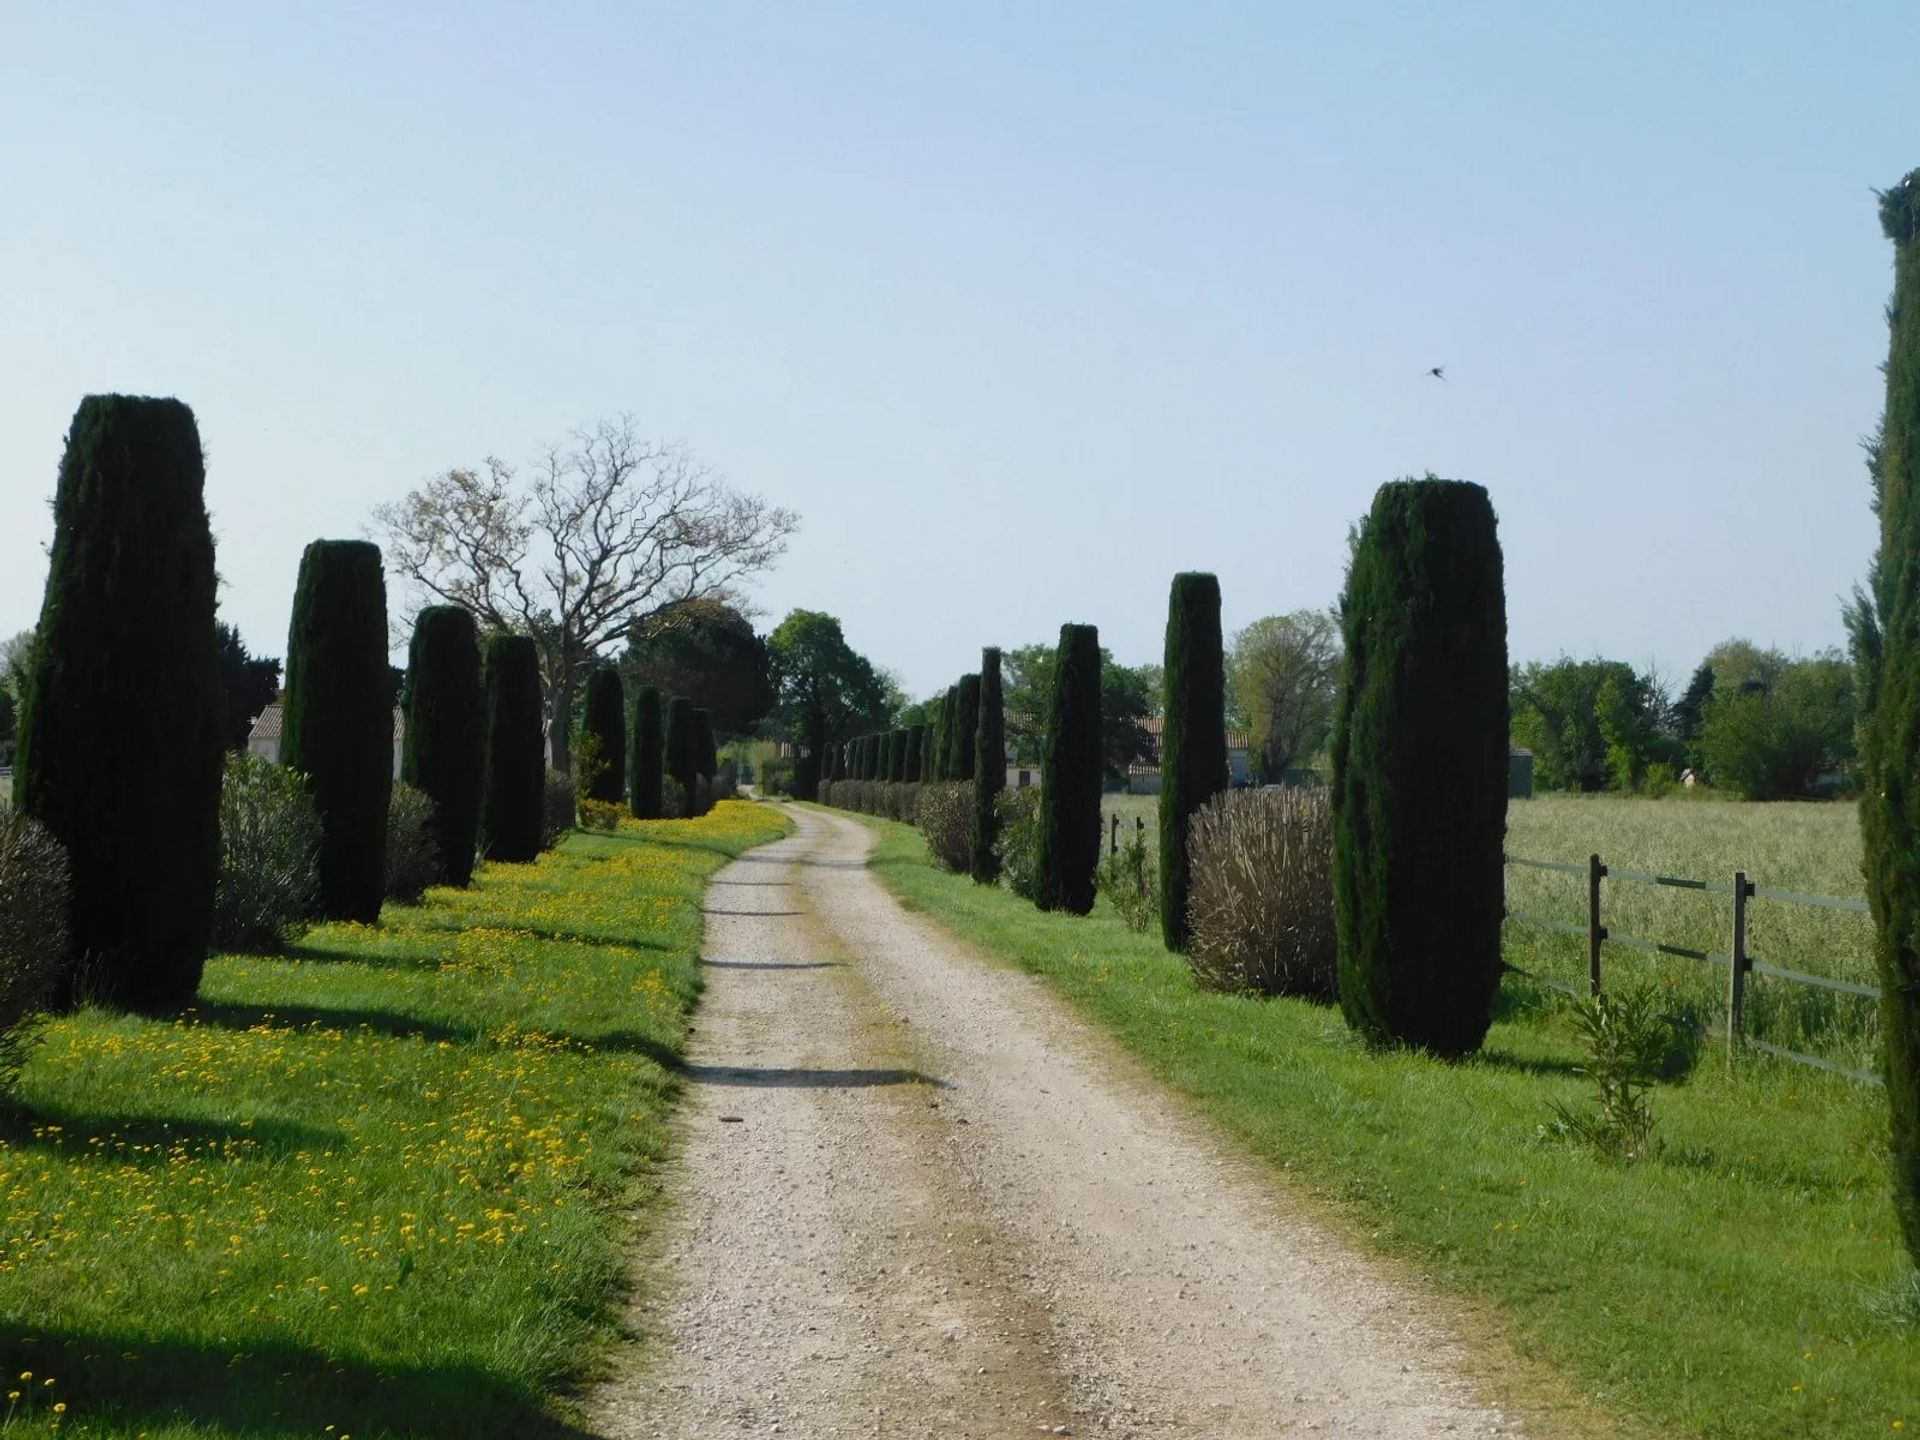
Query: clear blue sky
x,y
1081,294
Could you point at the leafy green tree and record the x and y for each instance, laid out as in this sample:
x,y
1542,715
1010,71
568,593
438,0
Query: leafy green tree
x,y
1282,676
445,751
1420,769
826,690
989,771
1193,755
1128,700
606,721
644,770
250,681
513,795
1069,830
337,727
121,728
1771,741
1591,724
1885,623
707,651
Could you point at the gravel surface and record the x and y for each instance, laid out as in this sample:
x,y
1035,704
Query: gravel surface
x,y
916,1197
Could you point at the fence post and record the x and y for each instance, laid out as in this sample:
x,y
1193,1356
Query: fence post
x,y
1596,932
1113,837
1737,985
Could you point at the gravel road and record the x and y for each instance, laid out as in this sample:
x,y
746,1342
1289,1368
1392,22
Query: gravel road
x,y
916,1197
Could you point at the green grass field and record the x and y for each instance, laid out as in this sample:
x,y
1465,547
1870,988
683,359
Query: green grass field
x,y
1746,1283
377,1186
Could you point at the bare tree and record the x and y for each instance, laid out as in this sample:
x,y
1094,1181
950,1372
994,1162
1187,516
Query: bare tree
x,y
1283,673
605,528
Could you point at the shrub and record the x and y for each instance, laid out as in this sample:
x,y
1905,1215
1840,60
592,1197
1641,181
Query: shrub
x,y
643,764
338,724
1885,620
1260,902
269,888
606,722
1193,745
1628,1037
558,808
1420,769
702,795
599,815
706,759
903,803
444,753
1071,775
989,769
123,714
946,819
514,799
1128,881
413,858
673,800
36,898
726,781
1017,847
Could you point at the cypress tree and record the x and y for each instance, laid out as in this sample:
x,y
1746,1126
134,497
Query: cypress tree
x,y
859,763
516,776
916,753
1193,742
870,757
1069,851
644,763
966,725
679,749
337,727
936,762
1886,633
1420,769
896,756
989,770
926,752
606,721
445,749
120,740
706,760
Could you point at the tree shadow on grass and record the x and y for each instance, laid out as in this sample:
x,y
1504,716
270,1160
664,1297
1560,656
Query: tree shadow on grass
x,y
1525,1064
770,964
228,1016
131,1136
273,1389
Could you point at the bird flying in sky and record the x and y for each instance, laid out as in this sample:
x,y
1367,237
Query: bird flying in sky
x,y
1438,372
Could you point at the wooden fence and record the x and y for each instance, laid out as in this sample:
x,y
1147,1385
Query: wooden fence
x,y
1738,963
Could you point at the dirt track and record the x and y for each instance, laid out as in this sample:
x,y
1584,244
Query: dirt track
x,y
918,1198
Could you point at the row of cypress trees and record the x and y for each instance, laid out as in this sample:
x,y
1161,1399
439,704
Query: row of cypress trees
x,y
122,729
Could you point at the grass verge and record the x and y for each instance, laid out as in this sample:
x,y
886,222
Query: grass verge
x,y
1746,1283
378,1186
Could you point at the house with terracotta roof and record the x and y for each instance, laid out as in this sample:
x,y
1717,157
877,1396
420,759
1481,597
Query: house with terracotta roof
x,y
264,738
1143,776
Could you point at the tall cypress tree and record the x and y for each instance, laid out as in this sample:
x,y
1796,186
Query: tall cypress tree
x,y
706,760
337,727
989,770
916,753
644,762
936,764
966,722
516,773
606,721
120,739
681,752
896,755
1069,850
445,750
1193,742
1420,769
1885,620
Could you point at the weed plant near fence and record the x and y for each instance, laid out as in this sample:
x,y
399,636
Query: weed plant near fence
x,y
382,1186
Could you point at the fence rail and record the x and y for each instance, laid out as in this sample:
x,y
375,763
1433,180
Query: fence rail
x,y
1739,963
